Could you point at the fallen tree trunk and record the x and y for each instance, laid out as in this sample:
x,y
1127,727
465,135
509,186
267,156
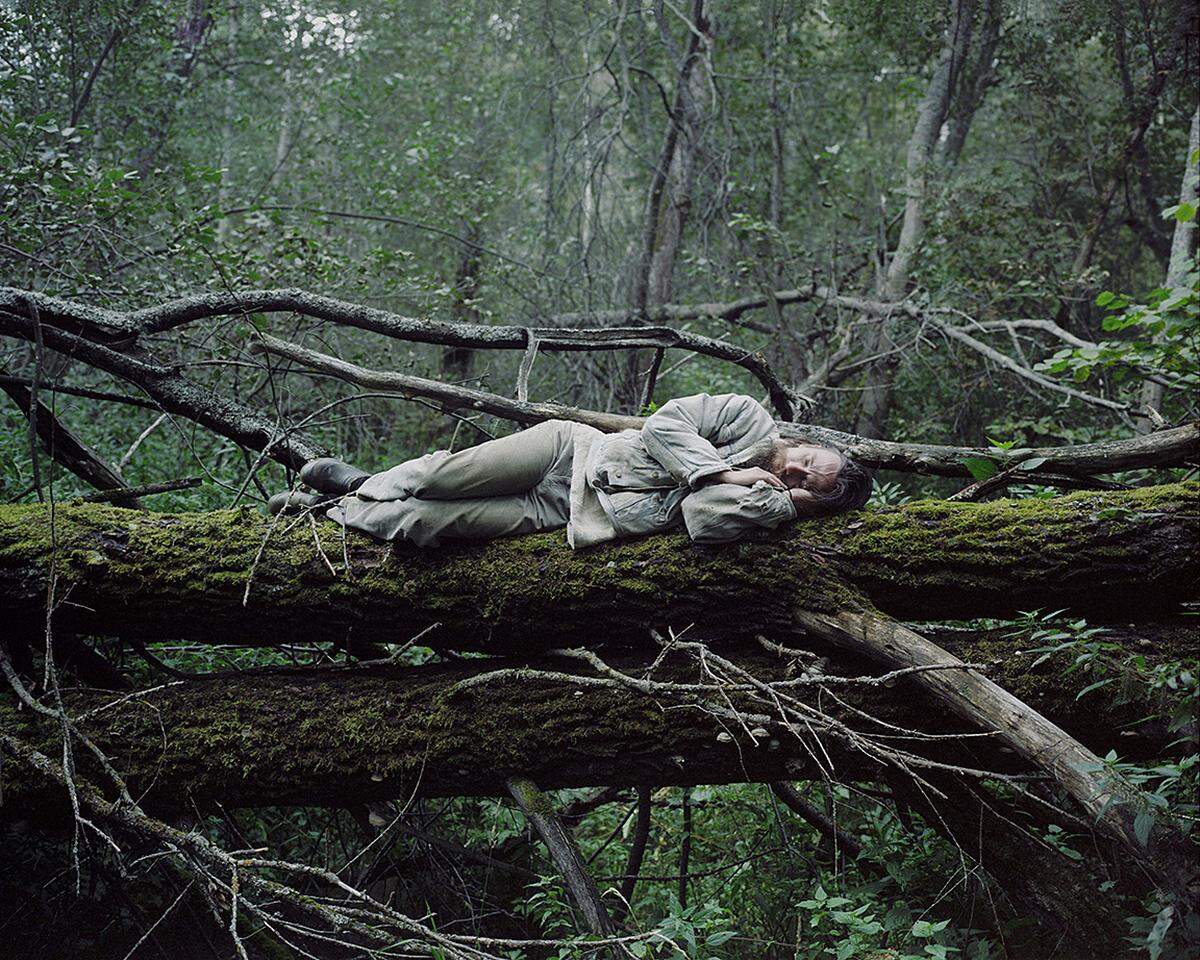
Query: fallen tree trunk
x,y
1112,803
348,735
340,736
229,576
352,735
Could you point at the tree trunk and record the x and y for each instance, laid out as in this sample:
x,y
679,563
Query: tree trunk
x,y
979,75
347,735
457,361
1183,259
233,576
892,284
669,199
228,123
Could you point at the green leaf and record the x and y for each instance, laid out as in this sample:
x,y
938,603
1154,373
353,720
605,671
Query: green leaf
x,y
1093,686
981,467
922,928
1105,298
1143,823
1033,463
1182,212
1157,934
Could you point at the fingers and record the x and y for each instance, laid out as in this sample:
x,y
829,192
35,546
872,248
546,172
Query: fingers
x,y
770,478
773,480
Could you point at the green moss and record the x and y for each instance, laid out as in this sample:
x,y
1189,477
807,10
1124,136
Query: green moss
x,y
340,735
187,573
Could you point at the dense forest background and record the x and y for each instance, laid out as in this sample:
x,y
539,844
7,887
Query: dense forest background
x,y
954,221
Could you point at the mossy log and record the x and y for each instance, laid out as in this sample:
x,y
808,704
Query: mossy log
x,y
228,576
338,736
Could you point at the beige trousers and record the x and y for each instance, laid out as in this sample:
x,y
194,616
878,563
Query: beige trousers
x,y
515,484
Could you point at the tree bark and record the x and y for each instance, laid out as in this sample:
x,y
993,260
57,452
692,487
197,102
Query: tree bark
x,y
351,735
67,449
1182,259
232,576
1166,448
893,282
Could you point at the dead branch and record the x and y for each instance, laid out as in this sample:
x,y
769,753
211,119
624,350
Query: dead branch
x,y
837,838
170,391
145,490
1165,448
1107,797
123,330
451,397
564,852
67,449
103,395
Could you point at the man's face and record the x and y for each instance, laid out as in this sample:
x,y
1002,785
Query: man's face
x,y
810,468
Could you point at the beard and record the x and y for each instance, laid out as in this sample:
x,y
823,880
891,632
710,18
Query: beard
x,y
762,453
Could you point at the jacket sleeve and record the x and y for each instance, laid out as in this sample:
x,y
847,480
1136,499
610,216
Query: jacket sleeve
x,y
720,512
683,434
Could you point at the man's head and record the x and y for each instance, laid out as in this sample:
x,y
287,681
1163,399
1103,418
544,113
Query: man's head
x,y
823,480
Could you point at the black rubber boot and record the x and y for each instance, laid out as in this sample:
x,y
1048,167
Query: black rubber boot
x,y
293,501
332,476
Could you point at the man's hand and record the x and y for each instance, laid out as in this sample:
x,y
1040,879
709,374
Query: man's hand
x,y
748,477
806,503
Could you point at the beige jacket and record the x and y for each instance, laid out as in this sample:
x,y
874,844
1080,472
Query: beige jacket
x,y
645,481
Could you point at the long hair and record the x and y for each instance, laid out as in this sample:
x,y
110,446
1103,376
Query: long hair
x,y
851,488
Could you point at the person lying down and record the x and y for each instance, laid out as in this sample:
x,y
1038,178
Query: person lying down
x,y
715,463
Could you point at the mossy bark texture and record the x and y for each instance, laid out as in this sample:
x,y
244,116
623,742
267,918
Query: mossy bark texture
x,y
229,576
348,735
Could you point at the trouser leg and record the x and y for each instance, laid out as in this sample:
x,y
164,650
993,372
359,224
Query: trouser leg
x,y
506,466
427,523
499,488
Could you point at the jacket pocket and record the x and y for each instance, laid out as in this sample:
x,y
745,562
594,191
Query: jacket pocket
x,y
622,463
636,512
